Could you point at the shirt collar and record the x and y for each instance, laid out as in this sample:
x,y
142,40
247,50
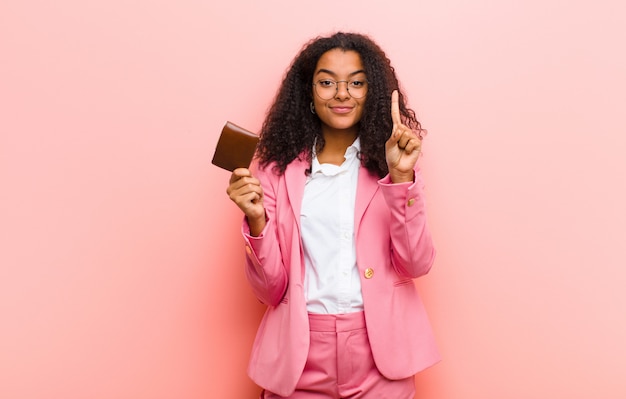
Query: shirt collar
x,y
351,153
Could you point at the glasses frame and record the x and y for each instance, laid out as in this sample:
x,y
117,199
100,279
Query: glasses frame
x,y
347,82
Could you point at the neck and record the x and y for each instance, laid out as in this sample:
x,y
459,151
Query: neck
x,y
336,143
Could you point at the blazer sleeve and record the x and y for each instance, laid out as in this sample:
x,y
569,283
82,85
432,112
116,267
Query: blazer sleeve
x,y
265,268
412,248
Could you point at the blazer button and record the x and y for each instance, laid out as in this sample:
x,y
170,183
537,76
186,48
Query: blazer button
x,y
411,202
369,273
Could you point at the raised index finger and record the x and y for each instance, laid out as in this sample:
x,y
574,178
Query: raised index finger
x,y
395,108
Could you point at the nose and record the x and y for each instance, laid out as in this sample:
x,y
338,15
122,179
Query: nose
x,y
342,90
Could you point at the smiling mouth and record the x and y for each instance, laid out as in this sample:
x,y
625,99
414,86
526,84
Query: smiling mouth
x,y
341,110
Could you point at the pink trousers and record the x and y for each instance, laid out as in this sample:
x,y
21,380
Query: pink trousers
x,y
340,364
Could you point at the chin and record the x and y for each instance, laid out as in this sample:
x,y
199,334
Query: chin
x,y
343,125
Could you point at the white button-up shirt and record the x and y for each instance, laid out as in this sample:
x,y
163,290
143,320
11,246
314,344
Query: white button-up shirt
x,y
331,279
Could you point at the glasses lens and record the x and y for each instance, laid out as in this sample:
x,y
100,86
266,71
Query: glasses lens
x,y
326,88
357,88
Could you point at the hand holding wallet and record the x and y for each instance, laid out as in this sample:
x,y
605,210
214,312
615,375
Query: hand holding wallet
x,y
235,147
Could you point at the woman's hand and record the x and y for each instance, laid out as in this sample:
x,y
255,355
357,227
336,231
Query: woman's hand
x,y
403,147
245,191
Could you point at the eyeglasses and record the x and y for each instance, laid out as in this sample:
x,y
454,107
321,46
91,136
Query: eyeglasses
x,y
328,88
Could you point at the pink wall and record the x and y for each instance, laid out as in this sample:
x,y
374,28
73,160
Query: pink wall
x,y
120,260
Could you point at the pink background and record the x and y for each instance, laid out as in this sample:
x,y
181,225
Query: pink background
x,y
121,263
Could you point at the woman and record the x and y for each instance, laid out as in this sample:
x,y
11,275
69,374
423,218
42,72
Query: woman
x,y
335,230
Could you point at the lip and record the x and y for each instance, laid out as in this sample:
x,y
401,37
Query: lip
x,y
341,109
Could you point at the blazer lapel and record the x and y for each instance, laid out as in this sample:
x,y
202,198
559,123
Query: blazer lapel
x,y
295,178
366,188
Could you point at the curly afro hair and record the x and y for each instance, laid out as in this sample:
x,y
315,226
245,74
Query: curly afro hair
x,y
290,129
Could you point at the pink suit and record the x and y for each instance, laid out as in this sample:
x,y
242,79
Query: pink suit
x,y
393,246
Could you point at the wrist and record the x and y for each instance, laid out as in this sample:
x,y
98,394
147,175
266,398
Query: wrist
x,y
256,225
399,177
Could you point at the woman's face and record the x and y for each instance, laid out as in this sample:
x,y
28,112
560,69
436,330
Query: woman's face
x,y
339,90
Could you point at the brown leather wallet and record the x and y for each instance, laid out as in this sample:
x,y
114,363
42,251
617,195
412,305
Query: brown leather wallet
x,y
235,147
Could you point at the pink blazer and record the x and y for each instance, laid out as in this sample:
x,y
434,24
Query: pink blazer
x,y
393,246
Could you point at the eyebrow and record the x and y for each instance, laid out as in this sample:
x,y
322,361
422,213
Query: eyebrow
x,y
334,74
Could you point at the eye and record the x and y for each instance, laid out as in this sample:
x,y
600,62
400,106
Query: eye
x,y
357,83
326,83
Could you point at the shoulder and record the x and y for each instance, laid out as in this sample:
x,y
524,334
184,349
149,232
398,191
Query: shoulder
x,y
272,171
